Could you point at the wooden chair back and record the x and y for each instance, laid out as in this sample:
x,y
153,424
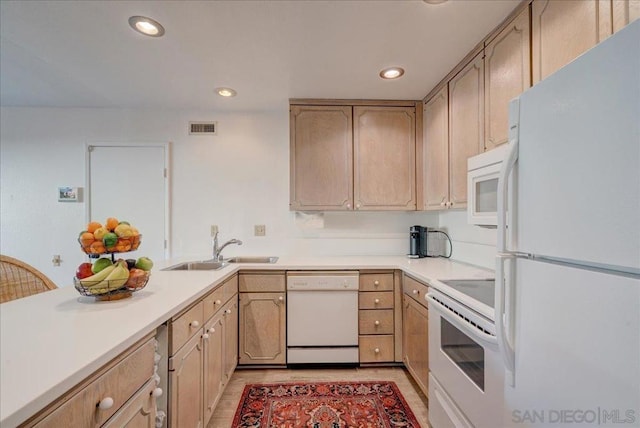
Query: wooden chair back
x,y
18,279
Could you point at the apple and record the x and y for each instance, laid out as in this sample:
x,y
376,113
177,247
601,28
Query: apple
x,y
84,271
100,264
137,278
144,263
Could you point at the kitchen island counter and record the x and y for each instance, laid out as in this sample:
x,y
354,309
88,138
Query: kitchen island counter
x,y
52,341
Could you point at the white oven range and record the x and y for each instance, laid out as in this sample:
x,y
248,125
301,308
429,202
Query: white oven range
x,y
466,379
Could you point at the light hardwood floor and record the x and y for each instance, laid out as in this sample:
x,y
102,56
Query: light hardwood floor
x,y
226,409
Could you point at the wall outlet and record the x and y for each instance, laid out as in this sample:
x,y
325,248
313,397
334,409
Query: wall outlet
x,y
259,230
56,260
214,229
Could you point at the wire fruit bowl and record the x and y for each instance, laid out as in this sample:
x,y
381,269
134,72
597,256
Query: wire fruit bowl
x,y
111,290
123,244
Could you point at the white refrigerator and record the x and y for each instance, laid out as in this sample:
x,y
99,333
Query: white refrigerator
x,y
568,265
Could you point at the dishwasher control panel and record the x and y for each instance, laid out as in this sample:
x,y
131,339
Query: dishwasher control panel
x,y
318,281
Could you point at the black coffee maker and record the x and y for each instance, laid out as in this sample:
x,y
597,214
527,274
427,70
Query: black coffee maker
x,y
418,242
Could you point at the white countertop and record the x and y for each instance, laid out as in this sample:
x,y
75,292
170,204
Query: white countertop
x,y
50,342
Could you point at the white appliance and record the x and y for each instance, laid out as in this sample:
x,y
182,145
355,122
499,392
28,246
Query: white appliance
x,y
568,265
322,317
466,378
482,187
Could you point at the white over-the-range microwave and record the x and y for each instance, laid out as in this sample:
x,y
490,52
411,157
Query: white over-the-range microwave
x,y
483,171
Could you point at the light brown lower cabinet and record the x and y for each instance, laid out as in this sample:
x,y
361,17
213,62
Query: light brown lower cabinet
x,y
140,412
263,318
230,339
262,328
200,370
116,389
213,357
186,384
415,331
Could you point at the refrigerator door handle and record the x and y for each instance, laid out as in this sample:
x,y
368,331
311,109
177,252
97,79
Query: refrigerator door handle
x,y
503,313
503,177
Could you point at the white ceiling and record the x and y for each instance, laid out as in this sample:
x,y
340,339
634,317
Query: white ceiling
x,y
84,54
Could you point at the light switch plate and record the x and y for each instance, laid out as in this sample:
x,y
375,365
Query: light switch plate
x,y
259,230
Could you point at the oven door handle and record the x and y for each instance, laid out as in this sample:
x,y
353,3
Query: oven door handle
x,y
461,324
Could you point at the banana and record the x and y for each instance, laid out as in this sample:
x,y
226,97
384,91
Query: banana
x,y
116,279
96,279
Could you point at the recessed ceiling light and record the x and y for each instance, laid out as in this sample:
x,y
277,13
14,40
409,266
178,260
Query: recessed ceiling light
x,y
226,92
392,72
146,26
434,1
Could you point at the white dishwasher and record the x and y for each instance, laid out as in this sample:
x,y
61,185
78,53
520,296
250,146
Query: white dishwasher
x,y
322,317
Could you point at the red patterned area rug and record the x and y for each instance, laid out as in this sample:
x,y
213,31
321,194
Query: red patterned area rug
x,y
323,405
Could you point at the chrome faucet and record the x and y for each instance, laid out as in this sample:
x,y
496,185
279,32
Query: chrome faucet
x,y
218,249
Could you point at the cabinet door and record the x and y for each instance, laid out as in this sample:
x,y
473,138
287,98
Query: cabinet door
x,y
384,150
139,412
624,12
213,358
262,328
466,123
230,338
562,30
436,151
507,73
321,158
185,385
416,341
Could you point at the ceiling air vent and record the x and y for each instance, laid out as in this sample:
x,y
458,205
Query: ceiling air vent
x,y
203,128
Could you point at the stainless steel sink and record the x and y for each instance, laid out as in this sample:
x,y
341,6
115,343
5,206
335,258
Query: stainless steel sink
x,y
201,265
249,259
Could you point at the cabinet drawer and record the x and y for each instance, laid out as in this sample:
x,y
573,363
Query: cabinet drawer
x,y
184,326
139,412
376,281
376,349
375,300
375,321
415,289
215,300
264,282
118,383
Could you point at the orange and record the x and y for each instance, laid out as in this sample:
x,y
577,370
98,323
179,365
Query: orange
x,y
97,247
111,223
93,226
86,239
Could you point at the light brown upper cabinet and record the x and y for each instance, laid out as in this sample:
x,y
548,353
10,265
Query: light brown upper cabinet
x,y
436,151
562,30
466,126
353,157
384,151
507,73
624,12
321,157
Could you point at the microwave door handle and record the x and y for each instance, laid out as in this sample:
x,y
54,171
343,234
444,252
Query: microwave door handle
x,y
503,313
503,177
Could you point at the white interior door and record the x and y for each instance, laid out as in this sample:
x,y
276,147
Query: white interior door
x,y
131,183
